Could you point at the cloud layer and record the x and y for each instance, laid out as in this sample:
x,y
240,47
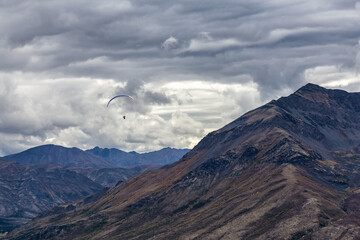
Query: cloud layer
x,y
192,66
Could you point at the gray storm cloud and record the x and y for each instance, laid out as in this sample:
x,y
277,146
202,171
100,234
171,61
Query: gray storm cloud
x,y
62,60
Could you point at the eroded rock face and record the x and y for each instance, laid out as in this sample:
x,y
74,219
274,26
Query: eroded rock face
x,y
286,170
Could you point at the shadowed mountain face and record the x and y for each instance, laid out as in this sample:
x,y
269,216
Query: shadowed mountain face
x,y
26,191
123,159
287,170
58,155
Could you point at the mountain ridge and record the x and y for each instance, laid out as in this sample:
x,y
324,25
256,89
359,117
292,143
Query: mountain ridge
x,y
121,158
94,158
58,155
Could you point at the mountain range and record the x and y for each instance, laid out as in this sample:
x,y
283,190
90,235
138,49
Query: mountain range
x,y
286,170
40,178
58,155
120,158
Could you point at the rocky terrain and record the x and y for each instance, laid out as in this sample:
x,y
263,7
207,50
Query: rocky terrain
x,y
286,170
128,159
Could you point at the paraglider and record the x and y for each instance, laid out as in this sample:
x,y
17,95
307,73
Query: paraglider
x,y
121,95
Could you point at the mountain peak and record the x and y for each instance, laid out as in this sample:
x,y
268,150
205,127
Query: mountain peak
x,y
313,91
319,100
311,87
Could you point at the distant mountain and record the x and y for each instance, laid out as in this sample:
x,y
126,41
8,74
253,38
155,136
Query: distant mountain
x,y
58,155
287,170
94,158
26,191
123,159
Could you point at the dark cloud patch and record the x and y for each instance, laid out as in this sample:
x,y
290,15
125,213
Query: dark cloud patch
x,y
132,87
157,98
72,38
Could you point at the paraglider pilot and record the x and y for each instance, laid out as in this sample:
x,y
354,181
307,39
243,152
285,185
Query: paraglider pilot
x,y
121,95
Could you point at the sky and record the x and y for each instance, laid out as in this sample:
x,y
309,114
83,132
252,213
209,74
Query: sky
x,y
191,66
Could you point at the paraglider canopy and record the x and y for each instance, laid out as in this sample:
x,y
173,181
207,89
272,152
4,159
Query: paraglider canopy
x,y
121,95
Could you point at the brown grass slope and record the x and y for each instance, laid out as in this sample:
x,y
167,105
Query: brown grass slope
x,y
287,170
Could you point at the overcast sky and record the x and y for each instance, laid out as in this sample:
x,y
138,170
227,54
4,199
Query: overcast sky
x,y
192,66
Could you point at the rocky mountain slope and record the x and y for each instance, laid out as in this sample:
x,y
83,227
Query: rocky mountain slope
x,y
58,155
124,159
286,170
26,191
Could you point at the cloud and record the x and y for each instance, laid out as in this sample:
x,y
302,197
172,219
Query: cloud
x,y
208,45
203,64
170,43
205,35
334,77
144,97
